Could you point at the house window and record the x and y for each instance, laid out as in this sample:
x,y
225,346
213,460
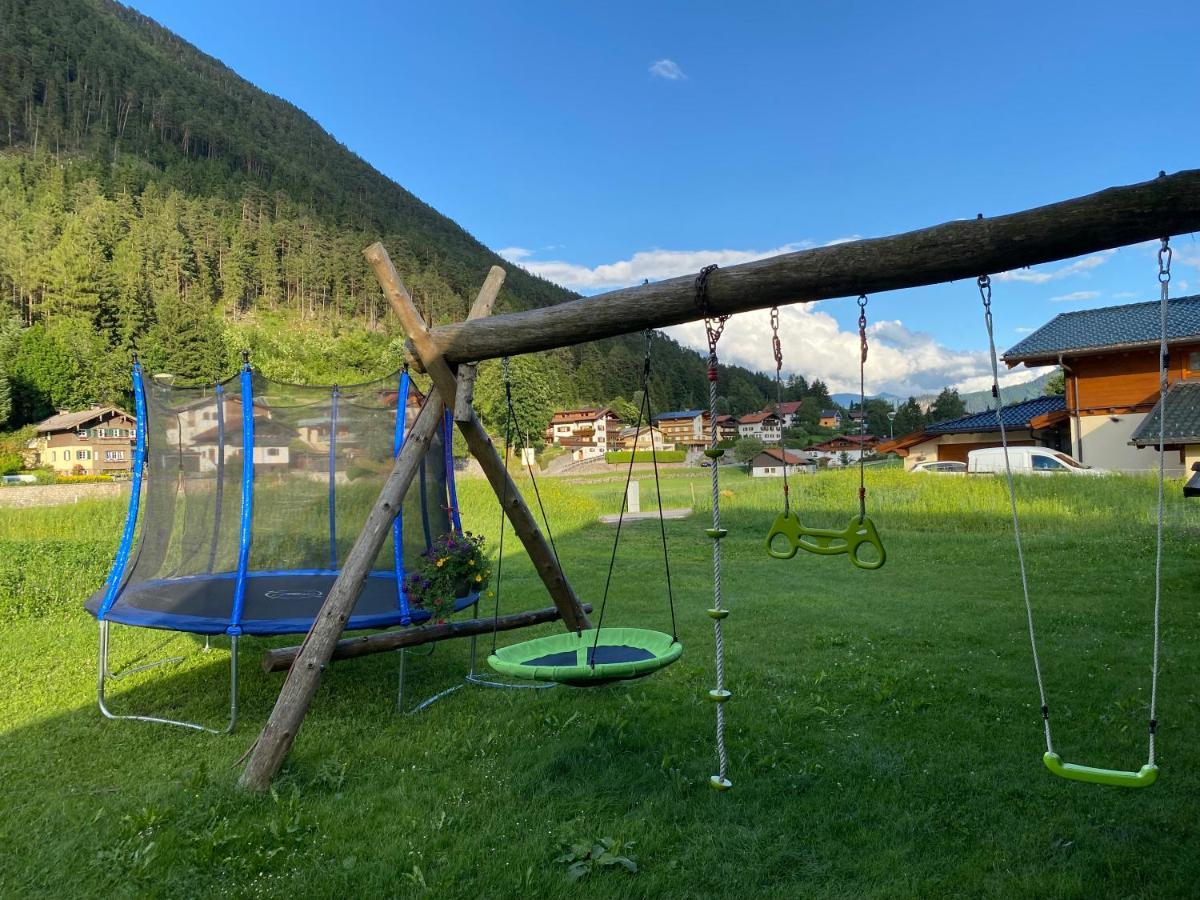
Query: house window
x,y
83,454
53,456
1193,362
272,451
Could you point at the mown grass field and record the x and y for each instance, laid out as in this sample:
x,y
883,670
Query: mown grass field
x,y
884,733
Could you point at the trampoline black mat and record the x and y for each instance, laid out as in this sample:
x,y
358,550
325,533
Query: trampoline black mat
x,y
275,603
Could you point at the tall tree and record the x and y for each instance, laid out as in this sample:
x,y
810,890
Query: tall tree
x,y
1056,384
909,417
948,405
186,341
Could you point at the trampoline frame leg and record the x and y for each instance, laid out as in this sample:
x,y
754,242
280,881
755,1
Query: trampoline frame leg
x,y
103,674
472,677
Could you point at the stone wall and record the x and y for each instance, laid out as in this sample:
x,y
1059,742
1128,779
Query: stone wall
x,y
55,494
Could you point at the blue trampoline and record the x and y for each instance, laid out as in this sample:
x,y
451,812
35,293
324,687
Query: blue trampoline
x,y
247,494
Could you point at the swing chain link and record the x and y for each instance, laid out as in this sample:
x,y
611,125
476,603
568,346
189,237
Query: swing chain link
x,y
862,324
1164,262
775,344
714,326
777,347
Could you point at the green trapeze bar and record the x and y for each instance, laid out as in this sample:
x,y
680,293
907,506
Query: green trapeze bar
x,y
1144,777
827,541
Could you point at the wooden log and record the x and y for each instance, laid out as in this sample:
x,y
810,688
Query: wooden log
x,y
465,398
280,658
296,694
480,444
1116,217
303,679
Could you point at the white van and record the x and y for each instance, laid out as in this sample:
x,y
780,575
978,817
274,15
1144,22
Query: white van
x,y
1028,461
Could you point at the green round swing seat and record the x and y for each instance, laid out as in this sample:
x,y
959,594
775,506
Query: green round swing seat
x,y
620,654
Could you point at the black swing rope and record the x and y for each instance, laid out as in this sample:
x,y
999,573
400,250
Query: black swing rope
x,y
512,421
644,414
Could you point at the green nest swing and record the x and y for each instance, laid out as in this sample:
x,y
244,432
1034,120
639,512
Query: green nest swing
x,y
588,658
600,655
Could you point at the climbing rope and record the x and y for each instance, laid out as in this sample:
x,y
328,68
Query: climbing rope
x,y
713,327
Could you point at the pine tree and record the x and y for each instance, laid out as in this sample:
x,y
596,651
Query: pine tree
x,y
185,341
948,405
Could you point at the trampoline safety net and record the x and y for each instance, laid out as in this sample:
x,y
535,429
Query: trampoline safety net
x,y
254,492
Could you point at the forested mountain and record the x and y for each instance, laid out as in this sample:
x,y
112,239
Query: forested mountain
x,y
151,200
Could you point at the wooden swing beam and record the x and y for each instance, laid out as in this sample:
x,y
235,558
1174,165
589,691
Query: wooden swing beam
x,y
1117,217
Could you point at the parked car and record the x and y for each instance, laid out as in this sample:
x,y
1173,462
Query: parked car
x,y
1028,461
941,467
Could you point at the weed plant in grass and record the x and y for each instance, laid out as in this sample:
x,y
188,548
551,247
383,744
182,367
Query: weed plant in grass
x,y
884,732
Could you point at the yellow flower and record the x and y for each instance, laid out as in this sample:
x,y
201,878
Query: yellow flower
x,y
491,594
470,562
439,562
479,578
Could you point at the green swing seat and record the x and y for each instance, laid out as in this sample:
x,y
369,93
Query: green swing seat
x,y
580,660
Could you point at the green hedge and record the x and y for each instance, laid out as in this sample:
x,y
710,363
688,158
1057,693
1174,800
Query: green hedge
x,y
664,456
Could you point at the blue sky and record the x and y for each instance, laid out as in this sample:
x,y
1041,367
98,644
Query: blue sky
x,y
599,144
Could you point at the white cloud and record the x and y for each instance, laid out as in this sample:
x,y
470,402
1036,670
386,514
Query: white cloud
x,y
654,265
1075,295
1042,275
900,360
1021,329
668,69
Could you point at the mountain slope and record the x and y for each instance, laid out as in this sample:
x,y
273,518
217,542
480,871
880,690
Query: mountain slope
x,y
143,182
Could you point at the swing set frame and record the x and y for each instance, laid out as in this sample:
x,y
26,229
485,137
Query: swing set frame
x,y
1166,206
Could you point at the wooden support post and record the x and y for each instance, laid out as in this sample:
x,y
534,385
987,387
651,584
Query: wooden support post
x,y
479,443
464,400
268,752
280,658
1116,217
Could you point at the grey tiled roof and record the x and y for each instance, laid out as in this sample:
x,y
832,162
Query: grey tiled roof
x,y
1132,325
1016,415
679,414
71,420
1183,418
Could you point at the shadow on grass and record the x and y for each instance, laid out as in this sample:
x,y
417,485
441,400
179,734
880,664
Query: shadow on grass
x,y
884,731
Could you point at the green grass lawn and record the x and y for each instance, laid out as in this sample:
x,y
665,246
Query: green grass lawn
x,y
884,732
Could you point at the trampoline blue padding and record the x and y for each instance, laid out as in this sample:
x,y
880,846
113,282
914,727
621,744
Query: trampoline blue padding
x,y
275,602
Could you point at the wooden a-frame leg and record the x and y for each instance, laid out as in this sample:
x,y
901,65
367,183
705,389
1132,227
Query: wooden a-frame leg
x,y
523,523
295,697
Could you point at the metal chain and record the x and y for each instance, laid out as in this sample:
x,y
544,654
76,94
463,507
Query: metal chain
x,y
985,293
862,408
1164,280
714,326
777,347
